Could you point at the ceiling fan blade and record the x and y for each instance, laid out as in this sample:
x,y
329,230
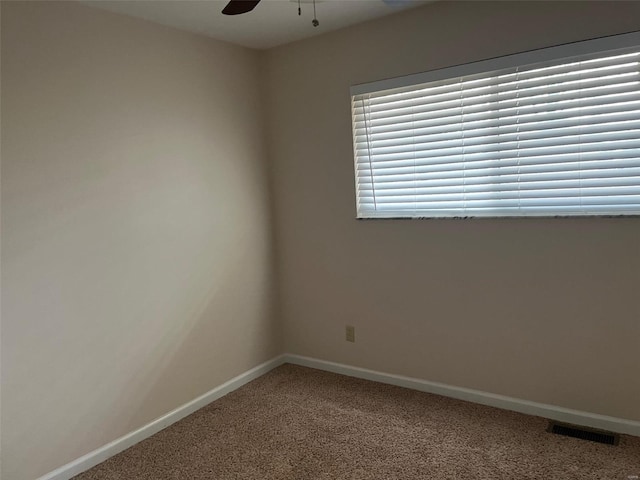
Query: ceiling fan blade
x,y
236,7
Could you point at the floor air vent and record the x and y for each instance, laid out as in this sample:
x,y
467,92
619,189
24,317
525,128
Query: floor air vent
x,y
583,433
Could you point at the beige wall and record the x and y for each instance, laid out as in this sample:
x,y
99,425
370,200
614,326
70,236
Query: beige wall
x,y
0,249
541,309
136,264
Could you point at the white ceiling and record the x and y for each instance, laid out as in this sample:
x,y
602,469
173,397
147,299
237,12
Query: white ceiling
x,y
271,23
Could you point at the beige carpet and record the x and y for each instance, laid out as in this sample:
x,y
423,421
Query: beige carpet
x,y
300,423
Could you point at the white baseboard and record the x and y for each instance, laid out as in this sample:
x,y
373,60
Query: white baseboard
x,y
560,414
553,412
101,454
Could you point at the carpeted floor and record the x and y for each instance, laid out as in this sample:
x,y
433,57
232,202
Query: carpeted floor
x,y
301,423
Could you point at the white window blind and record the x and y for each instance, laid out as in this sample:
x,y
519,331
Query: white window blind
x,y
555,137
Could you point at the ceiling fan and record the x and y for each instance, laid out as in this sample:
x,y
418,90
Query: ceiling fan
x,y
237,7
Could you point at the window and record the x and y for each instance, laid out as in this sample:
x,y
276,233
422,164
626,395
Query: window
x,y
552,132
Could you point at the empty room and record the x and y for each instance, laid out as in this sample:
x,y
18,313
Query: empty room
x,y
341,239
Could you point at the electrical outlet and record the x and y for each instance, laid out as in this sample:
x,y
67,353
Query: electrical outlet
x,y
351,333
